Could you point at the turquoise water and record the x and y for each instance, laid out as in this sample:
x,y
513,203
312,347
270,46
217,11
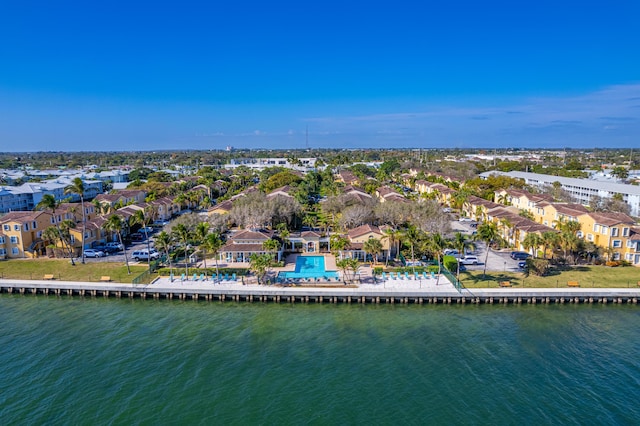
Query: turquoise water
x,y
309,267
86,361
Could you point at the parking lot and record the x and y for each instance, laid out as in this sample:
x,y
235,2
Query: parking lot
x,y
119,256
498,261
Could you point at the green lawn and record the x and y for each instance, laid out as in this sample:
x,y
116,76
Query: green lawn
x,y
587,276
35,269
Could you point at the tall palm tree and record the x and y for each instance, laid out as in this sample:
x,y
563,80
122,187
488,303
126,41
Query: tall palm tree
x,y
532,241
183,234
411,236
487,232
549,240
461,244
115,224
373,246
141,217
48,202
436,244
338,243
213,242
271,246
393,236
164,242
200,234
77,187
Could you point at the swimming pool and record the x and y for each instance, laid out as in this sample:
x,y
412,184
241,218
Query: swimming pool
x,y
309,267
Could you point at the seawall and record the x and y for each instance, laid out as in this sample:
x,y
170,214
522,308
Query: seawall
x,y
240,293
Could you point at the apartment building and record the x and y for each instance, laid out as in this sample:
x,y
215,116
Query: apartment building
x,y
582,190
21,234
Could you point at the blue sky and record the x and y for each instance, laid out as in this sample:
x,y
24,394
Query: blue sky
x,y
203,75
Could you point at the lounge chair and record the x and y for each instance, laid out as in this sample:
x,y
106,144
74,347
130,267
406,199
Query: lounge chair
x,y
406,275
171,277
416,276
424,275
183,277
384,276
203,277
233,277
433,275
226,277
195,277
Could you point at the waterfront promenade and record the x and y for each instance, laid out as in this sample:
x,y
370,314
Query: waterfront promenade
x,y
388,291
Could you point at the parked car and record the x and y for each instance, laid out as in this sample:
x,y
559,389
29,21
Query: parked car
x,y
116,245
465,219
145,255
469,260
136,236
522,264
105,248
148,229
520,255
160,223
93,253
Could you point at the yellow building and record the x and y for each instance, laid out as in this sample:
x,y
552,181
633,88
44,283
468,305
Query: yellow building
x,y
21,234
611,231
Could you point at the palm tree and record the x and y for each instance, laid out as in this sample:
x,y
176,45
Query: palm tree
x,y
487,232
373,246
338,243
213,242
411,235
436,245
200,235
549,240
393,236
461,244
532,241
77,187
115,224
142,218
345,265
48,202
164,242
182,234
271,246
259,264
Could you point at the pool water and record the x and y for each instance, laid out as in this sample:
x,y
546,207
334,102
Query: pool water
x,y
309,267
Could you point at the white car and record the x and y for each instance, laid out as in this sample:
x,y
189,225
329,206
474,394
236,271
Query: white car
x,y
469,260
93,253
114,245
145,255
465,219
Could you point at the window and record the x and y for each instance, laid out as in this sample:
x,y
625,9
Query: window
x,y
15,250
596,227
73,239
579,234
605,230
625,232
6,227
614,232
589,237
1,240
34,224
39,234
617,243
16,227
3,252
616,256
14,240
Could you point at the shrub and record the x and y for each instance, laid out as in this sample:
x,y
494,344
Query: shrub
x,y
612,263
537,267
